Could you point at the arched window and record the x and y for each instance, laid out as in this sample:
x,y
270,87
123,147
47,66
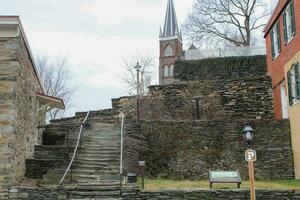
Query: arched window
x,y
169,51
166,71
171,70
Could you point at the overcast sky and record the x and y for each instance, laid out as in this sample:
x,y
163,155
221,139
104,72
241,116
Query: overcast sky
x,y
95,35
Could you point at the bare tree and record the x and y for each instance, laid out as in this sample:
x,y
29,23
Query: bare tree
x,y
232,21
129,74
56,76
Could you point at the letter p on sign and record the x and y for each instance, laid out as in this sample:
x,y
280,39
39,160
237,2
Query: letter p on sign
x,y
250,155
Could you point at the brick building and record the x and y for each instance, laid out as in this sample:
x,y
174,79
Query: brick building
x,y
283,56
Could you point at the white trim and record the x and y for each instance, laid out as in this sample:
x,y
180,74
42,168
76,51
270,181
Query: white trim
x,y
170,38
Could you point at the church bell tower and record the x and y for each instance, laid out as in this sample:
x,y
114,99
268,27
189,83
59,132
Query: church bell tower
x,y
170,45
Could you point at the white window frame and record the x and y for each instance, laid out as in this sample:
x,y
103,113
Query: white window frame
x,y
293,87
289,23
275,40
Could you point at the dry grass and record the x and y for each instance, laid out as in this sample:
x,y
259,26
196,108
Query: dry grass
x,y
161,184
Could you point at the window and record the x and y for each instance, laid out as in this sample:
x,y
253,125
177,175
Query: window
x,y
289,22
171,70
293,77
166,71
275,40
169,51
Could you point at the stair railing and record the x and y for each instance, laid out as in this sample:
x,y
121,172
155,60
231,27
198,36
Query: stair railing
x,y
75,150
122,117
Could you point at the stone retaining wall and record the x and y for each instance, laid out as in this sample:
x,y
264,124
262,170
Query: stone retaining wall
x,y
220,195
188,150
248,98
37,194
201,194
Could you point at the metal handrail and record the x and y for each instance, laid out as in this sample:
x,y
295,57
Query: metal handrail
x,y
75,150
122,117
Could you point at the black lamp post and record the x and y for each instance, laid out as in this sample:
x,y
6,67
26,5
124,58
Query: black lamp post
x,y
138,69
250,156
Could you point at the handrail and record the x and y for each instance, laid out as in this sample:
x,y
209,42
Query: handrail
x,y
75,151
122,117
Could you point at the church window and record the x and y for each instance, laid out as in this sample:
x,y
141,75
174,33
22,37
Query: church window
x,y
166,71
169,51
171,70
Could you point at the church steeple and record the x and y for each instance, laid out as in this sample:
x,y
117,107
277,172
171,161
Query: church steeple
x,y
170,42
170,26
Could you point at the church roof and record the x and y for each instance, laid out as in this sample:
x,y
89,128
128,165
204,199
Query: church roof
x,y
170,26
192,47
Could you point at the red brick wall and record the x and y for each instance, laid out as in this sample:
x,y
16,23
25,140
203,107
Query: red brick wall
x,y
276,66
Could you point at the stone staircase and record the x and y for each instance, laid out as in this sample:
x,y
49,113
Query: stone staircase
x,y
95,172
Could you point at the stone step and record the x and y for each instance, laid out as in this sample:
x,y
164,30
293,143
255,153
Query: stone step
x,y
58,172
102,198
98,188
99,152
94,194
100,147
96,167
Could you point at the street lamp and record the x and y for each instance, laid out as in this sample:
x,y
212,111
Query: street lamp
x,y
248,133
250,156
138,69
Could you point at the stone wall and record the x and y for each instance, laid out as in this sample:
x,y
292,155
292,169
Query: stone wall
x,y
248,98
188,150
220,194
203,194
195,125
19,111
37,193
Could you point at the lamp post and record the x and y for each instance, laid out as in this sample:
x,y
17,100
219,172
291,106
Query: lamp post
x,y
250,156
142,165
138,69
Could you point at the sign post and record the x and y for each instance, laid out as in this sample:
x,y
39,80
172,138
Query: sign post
x,y
250,156
142,165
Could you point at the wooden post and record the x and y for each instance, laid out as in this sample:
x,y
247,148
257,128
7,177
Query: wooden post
x,y
143,179
251,180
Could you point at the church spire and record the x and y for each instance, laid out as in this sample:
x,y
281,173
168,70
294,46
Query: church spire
x,y
170,26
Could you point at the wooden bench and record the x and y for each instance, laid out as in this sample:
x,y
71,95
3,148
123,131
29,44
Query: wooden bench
x,y
224,177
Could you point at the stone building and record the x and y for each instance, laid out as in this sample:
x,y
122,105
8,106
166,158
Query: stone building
x,y
23,103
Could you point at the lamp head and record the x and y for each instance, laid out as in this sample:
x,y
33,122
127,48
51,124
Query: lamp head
x,y
248,133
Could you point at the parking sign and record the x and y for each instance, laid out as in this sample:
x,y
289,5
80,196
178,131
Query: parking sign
x,y
250,155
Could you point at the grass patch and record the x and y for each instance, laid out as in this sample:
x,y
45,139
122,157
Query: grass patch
x,y
162,184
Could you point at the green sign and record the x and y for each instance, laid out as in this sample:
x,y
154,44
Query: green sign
x,y
224,176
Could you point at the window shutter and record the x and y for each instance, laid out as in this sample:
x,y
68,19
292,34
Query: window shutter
x,y
285,28
297,78
278,37
272,44
293,18
290,88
